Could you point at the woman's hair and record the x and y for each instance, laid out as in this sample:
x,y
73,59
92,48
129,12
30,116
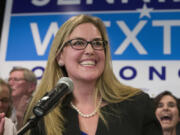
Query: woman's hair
x,y
110,89
4,83
158,98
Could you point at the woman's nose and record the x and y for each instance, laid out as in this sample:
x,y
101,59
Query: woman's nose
x,y
165,107
89,48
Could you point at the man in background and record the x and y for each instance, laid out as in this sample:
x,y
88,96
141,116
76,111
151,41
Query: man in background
x,y
23,83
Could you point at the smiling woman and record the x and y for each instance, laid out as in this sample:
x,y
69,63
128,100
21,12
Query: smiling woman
x,y
99,103
7,127
5,98
167,112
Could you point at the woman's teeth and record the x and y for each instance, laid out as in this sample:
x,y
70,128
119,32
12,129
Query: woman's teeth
x,y
87,63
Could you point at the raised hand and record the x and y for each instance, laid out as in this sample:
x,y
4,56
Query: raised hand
x,y
2,121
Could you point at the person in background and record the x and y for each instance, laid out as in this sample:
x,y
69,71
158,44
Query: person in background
x,y
7,127
178,128
5,98
167,112
99,103
178,125
23,83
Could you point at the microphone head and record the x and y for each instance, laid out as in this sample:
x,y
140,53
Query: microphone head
x,y
67,81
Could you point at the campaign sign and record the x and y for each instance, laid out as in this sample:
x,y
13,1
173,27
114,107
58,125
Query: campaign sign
x,y
143,35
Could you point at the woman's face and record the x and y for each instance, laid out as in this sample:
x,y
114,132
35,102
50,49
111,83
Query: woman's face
x,y
87,64
167,112
4,98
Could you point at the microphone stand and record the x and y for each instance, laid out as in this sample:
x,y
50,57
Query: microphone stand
x,y
32,122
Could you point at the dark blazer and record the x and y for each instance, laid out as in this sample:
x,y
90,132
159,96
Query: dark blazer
x,y
178,128
134,116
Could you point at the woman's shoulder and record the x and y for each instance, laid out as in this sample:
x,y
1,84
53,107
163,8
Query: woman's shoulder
x,y
140,102
8,122
141,96
139,105
9,127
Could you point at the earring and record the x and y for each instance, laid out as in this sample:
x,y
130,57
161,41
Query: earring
x,y
60,64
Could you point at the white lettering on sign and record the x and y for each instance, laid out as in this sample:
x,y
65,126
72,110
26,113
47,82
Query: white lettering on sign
x,y
131,37
68,2
167,24
41,45
40,2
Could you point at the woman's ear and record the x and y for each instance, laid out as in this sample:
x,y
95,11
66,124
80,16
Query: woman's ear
x,y
60,60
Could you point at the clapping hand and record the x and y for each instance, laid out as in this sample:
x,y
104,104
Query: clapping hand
x,y
2,121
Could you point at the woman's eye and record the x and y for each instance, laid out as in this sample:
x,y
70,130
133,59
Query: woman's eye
x,y
78,43
171,104
160,105
98,43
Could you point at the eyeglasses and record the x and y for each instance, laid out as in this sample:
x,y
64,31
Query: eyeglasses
x,y
80,44
15,79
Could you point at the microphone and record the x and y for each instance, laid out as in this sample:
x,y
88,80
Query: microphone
x,y
51,99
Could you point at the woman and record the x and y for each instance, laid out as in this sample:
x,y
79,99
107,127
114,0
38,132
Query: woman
x,y
5,98
99,104
7,127
167,112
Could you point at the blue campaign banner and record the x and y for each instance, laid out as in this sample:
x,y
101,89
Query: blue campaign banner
x,y
143,35
153,36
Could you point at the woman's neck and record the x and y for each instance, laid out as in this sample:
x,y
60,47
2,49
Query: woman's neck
x,y
169,132
85,96
83,90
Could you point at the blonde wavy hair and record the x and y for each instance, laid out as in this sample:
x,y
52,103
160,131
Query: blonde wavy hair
x,y
110,89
